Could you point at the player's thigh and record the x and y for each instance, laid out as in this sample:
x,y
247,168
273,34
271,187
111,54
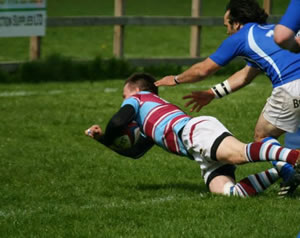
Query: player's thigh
x,y
264,129
202,136
231,151
281,112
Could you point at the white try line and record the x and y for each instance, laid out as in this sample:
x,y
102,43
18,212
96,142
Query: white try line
x,y
6,214
51,92
105,90
152,201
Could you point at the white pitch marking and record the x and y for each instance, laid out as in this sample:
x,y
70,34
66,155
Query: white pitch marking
x,y
17,94
51,92
151,201
110,90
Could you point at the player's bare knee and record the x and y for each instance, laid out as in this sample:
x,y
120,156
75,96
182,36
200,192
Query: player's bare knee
x,y
217,185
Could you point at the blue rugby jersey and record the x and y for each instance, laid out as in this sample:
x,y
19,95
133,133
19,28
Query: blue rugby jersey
x,y
159,120
291,18
255,43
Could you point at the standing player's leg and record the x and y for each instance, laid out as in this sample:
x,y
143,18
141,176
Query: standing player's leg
x,y
265,129
292,140
281,112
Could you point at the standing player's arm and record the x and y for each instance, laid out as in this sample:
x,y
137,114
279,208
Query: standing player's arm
x,y
286,31
240,79
195,73
286,38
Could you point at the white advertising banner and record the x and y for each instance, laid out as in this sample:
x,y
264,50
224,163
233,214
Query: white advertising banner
x,y
22,18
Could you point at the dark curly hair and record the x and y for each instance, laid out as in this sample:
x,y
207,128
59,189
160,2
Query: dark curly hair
x,y
144,81
244,11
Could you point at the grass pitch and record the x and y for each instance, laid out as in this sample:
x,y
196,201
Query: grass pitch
x,y
56,182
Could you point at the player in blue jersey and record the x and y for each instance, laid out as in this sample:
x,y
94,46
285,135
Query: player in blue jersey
x,y
203,139
289,25
292,140
251,38
286,36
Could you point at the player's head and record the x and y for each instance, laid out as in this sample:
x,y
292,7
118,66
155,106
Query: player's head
x,y
139,82
240,12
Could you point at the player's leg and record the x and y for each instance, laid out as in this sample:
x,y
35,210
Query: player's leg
x,y
210,139
265,129
253,184
290,179
285,170
222,181
292,140
281,113
230,150
233,151
210,143
249,186
216,178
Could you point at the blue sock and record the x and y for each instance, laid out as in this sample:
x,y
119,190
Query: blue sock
x,y
284,169
271,140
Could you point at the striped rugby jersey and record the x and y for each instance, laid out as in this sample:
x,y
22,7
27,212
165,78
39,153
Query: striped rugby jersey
x,y
159,120
256,45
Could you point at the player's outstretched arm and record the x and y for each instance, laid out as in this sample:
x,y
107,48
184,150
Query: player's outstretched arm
x,y
199,99
139,149
242,78
114,126
94,131
195,73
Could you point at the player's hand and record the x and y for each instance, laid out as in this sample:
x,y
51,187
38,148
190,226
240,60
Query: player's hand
x,y
199,99
166,81
93,131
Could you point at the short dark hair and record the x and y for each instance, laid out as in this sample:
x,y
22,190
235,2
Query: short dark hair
x,y
144,81
244,11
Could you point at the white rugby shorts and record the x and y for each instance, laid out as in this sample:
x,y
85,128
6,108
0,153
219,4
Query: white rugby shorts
x,y
283,107
201,136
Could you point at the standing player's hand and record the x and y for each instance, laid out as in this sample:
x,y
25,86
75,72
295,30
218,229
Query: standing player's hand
x,y
199,99
93,131
166,81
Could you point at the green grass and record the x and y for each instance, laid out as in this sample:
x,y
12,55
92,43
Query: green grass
x,y
56,182
148,41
